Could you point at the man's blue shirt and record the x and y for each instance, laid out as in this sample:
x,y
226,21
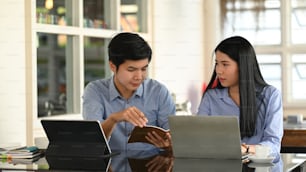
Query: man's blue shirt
x,y
101,99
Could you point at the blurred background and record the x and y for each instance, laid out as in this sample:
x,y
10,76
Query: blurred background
x,y
52,48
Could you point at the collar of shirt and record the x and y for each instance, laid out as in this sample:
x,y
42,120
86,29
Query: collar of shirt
x,y
224,96
113,92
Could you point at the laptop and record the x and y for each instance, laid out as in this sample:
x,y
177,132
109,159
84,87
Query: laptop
x,y
205,137
73,138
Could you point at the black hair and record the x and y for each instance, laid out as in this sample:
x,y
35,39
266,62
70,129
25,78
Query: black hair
x,y
128,46
251,82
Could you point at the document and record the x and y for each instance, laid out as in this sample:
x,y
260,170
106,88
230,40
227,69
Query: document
x,y
26,152
5,147
21,160
138,134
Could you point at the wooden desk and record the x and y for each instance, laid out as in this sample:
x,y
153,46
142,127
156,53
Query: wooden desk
x,y
294,139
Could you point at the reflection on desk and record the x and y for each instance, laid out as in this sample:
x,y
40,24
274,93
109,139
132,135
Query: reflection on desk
x,y
78,163
182,165
276,166
128,161
137,160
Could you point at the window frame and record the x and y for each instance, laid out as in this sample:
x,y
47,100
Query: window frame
x,y
78,32
285,49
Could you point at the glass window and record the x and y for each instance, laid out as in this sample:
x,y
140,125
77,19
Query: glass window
x,y
133,15
53,12
274,41
255,20
97,14
73,51
95,59
298,76
298,21
270,67
52,56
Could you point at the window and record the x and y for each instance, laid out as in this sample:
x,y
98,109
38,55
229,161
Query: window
x,y
97,15
298,77
298,21
253,19
71,46
53,12
274,27
95,61
271,69
52,59
133,16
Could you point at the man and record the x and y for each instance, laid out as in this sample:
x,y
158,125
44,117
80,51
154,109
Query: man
x,y
128,98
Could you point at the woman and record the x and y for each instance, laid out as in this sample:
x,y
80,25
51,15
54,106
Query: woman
x,y
238,88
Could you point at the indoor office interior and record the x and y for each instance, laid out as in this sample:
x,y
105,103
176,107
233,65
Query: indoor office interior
x,y
52,48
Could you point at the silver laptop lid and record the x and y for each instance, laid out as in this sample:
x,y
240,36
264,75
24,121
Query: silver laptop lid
x,y
205,136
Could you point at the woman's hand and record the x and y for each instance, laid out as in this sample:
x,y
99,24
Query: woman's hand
x,y
247,148
244,148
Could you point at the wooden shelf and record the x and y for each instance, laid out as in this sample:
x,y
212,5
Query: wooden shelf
x,y
294,138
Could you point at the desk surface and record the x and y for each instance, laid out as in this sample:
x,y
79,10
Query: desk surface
x,y
141,161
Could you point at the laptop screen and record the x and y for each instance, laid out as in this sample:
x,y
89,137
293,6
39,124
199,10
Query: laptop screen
x,y
75,138
205,136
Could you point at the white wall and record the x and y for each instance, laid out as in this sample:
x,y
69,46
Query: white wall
x,y
12,72
178,47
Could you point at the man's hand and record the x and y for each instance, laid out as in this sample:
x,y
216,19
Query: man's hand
x,y
158,141
161,163
132,115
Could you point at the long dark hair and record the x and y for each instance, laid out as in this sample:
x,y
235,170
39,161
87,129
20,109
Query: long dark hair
x,y
251,82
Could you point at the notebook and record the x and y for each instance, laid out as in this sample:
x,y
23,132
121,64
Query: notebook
x,y
205,137
74,138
